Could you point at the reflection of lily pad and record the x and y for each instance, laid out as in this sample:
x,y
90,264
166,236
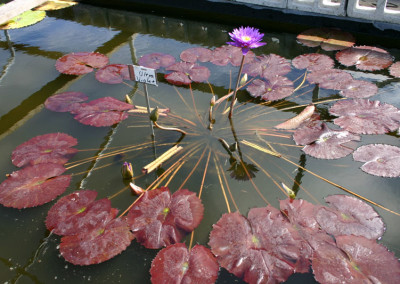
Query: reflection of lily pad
x,y
272,89
65,102
348,215
113,74
363,116
47,148
329,39
102,112
380,160
25,19
367,58
80,63
33,186
175,264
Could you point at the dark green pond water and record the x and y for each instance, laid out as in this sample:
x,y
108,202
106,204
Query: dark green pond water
x,y
28,77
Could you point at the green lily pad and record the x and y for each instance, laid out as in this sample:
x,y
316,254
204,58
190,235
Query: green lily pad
x,y
25,19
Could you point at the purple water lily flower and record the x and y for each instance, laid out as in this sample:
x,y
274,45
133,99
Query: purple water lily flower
x,y
246,38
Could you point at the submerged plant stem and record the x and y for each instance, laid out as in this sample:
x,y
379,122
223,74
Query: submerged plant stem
x,y
169,128
237,86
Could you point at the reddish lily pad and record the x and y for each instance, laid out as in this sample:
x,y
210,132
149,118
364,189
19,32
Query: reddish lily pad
x,y
358,89
225,54
380,159
78,212
348,215
363,116
394,69
355,260
97,245
328,143
47,148
301,215
272,89
268,66
184,73
264,248
194,54
329,39
366,58
159,219
105,111
65,102
33,185
175,264
156,60
113,74
80,63
329,78
313,62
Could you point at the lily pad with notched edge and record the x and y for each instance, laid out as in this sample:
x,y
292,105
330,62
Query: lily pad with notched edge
x,y
81,62
225,54
358,89
105,111
264,248
33,185
113,74
156,60
78,212
184,73
159,219
329,144
65,102
355,260
348,215
267,66
313,62
363,116
379,159
194,54
47,148
175,264
366,58
97,245
394,69
272,89
329,78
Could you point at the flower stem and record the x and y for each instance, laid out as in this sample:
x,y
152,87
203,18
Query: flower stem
x,y
236,88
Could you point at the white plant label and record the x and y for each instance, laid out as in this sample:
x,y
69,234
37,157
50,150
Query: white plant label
x,y
143,74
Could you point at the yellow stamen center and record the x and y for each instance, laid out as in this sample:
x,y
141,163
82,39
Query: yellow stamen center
x,y
246,38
